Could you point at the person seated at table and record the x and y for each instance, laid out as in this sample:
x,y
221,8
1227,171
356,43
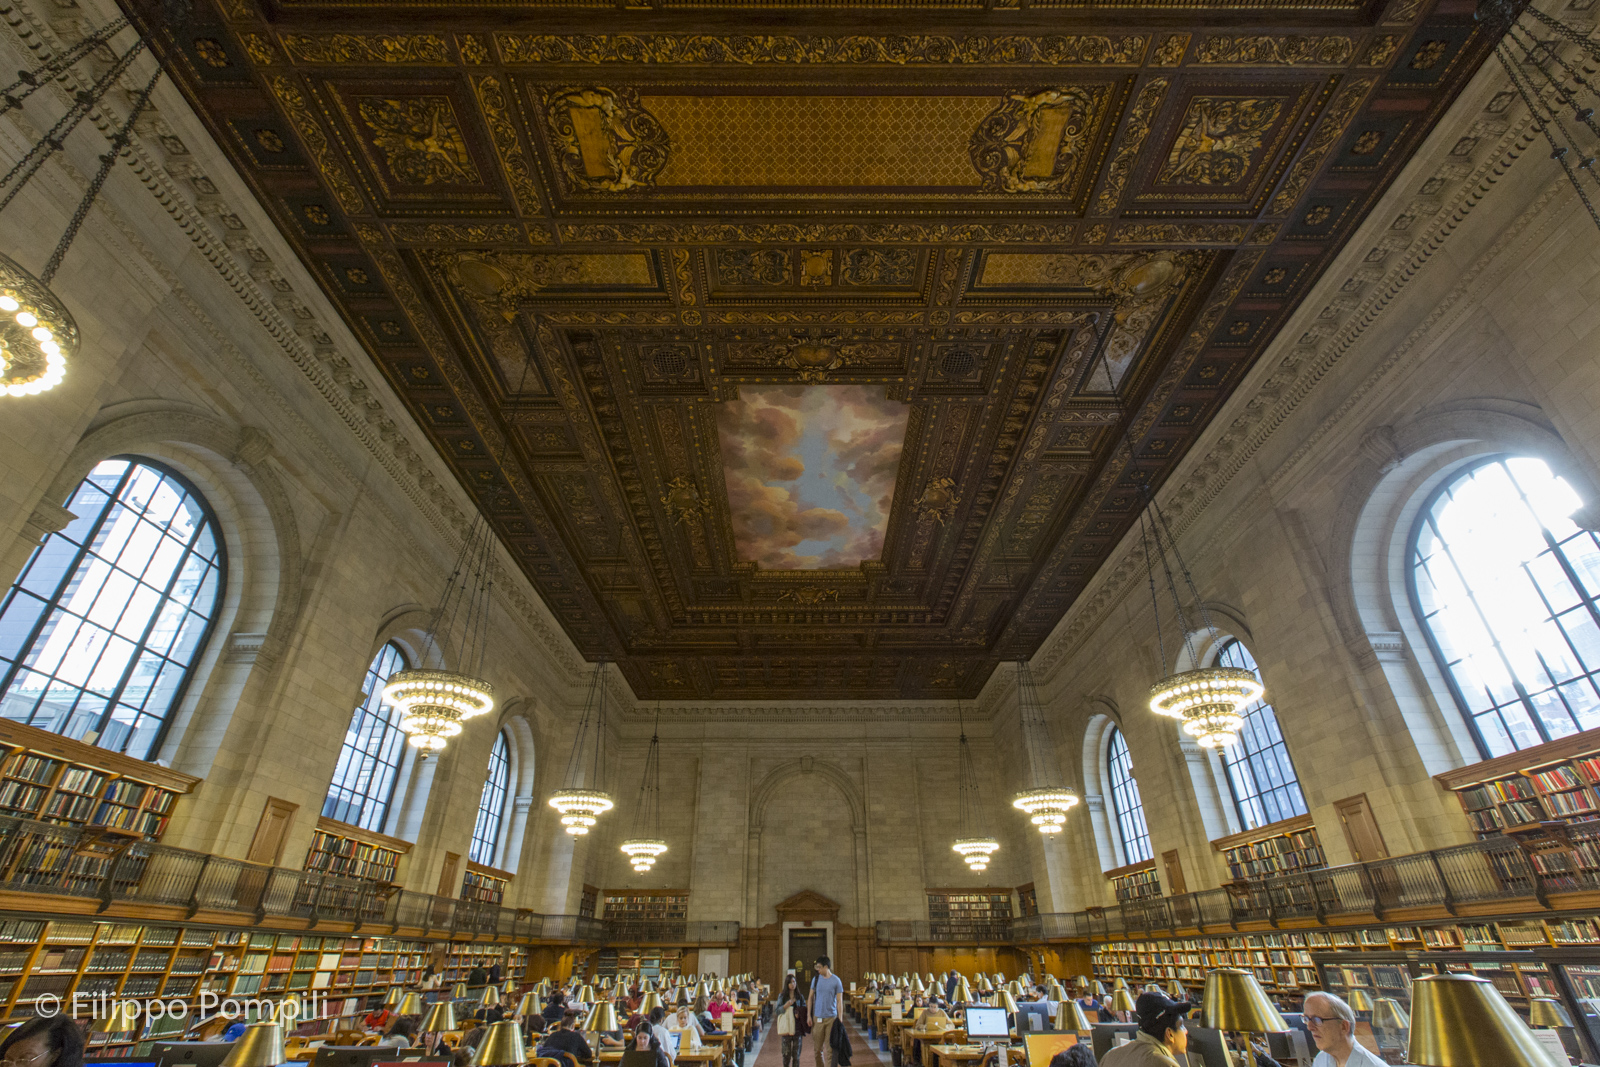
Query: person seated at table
x,y
645,1040
472,1039
379,1020
702,1012
684,1022
1079,1055
401,1034
933,1017
565,1038
461,1057
720,1005
658,1019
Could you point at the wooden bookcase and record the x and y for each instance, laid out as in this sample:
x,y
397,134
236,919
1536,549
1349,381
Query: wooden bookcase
x,y
978,913
1284,847
131,961
589,902
646,905
484,885
1136,881
1554,782
463,957
55,779
642,962
342,849
1027,900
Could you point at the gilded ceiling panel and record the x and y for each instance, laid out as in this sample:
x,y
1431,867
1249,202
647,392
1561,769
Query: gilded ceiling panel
x,y
833,362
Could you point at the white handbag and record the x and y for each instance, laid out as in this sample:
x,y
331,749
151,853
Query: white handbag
x,y
786,1023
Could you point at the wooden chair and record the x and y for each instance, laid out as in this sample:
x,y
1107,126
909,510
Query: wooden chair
x,y
954,1037
349,1037
544,1061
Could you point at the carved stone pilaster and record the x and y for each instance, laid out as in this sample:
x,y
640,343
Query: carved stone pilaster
x,y
46,519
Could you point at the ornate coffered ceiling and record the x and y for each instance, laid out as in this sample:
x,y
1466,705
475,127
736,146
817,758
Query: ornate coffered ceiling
x,y
1048,240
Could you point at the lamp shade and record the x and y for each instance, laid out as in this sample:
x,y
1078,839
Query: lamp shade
x,y
289,1007
529,1005
602,1018
261,1045
1175,990
440,1018
1121,1000
586,994
1360,1000
459,991
1234,1001
410,1004
1069,1016
1008,1001
1461,1020
963,991
650,1003
502,1047
394,996
1388,1014
123,1016
489,997
1547,1013
983,985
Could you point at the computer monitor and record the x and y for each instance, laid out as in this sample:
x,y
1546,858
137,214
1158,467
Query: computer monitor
x,y
1206,1048
114,1062
1104,1035
353,1055
673,1039
190,1053
987,1024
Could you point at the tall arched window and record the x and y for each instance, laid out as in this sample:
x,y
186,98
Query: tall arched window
x,y
101,631
1125,801
492,805
363,783
1264,785
1505,584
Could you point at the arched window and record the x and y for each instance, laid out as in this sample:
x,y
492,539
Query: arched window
x,y
1505,584
1125,801
100,632
369,760
492,805
1265,788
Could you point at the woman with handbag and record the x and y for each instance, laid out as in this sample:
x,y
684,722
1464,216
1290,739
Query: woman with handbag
x,y
792,1022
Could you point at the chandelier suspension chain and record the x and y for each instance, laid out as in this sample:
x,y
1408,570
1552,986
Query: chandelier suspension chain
x,y
1532,45
1541,122
1155,605
1566,31
11,98
51,142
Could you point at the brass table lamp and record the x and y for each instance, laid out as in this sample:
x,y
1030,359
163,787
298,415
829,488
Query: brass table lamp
x,y
411,1004
1360,1000
1547,1013
458,991
529,1004
1122,1000
489,997
395,995
602,1018
502,1047
1233,1000
963,991
1070,1016
261,1045
1460,1020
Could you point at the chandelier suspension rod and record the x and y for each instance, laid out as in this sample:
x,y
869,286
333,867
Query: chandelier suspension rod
x,y
1150,572
1535,107
575,757
38,77
52,141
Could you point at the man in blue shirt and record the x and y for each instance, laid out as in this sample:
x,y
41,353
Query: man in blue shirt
x,y
826,1008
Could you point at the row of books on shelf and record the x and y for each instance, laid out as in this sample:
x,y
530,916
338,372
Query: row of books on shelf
x,y
333,854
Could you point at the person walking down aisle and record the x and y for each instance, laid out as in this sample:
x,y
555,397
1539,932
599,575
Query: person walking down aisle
x,y
826,1007
791,1013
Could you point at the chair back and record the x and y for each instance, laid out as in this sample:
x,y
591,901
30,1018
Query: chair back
x,y
954,1037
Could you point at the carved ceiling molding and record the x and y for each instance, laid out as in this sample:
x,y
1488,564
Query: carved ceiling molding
x,y
1425,226
297,329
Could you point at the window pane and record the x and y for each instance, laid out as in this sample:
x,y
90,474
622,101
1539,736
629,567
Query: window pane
x,y
1126,804
369,760
96,599
1514,625
1260,774
491,805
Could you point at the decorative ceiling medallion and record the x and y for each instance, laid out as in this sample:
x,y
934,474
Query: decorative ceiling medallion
x,y
607,142
421,140
938,501
814,358
809,596
683,501
1036,142
1219,140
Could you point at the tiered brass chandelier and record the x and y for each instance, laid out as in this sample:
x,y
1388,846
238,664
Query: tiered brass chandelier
x,y
581,805
433,702
1208,701
972,847
1048,800
38,337
646,846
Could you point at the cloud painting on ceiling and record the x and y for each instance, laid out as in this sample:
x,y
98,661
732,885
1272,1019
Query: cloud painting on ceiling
x,y
810,472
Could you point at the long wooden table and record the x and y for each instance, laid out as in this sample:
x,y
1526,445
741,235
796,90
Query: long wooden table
x,y
961,1055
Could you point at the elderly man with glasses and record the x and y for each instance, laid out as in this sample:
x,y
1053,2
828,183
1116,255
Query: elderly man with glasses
x,y
1332,1023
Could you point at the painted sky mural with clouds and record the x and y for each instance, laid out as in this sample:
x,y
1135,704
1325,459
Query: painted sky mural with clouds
x,y
810,472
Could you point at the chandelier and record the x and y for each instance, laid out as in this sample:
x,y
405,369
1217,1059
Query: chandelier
x,y
1048,800
643,851
581,806
1208,701
971,847
38,337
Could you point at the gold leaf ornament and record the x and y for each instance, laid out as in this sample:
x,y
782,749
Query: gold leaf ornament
x,y
938,501
607,141
421,140
683,501
1035,142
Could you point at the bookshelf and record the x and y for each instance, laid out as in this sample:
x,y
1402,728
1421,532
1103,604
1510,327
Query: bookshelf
x,y
1555,782
1027,900
646,905
588,902
64,957
461,958
978,913
1284,847
1136,881
484,885
342,849
54,779
643,962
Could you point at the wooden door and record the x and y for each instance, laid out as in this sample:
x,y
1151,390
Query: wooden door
x,y
1174,872
272,832
1361,829
448,882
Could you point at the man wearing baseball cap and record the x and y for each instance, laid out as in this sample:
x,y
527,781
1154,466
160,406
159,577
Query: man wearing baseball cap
x,y
1161,1038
